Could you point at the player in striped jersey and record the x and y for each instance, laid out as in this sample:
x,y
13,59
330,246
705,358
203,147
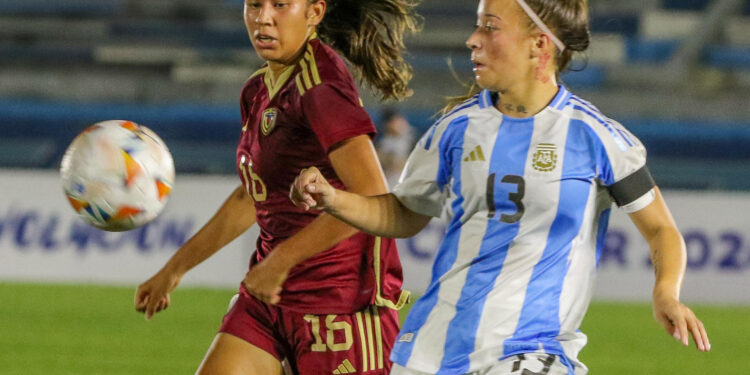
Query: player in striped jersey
x,y
318,293
526,172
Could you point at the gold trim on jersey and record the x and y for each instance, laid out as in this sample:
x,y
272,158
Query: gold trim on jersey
x,y
305,74
300,86
370,338
362,339
378,335
274,84
370,344
259,71
403,299
310,56
308,77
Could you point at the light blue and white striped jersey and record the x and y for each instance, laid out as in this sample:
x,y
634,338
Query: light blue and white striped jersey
x,y
528,202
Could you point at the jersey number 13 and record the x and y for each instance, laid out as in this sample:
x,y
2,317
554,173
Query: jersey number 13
x,y
516,197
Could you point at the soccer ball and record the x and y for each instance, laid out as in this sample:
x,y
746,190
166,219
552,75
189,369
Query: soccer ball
x,y
117,175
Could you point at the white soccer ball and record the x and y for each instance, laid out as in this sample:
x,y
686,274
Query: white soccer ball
x,y
117,175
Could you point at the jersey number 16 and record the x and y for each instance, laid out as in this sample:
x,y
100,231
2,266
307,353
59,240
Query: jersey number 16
x,y
254,185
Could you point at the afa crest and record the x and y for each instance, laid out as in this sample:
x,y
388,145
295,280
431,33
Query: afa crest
x,y
268,120
545,158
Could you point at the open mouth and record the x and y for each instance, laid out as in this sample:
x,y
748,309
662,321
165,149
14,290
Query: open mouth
x,y
264,40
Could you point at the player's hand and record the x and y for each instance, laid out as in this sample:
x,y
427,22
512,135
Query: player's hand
x,y
680,322
264,280
153,295
311,190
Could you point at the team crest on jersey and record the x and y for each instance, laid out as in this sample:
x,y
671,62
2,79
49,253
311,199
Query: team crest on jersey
x,y
406,337
268,121
545,158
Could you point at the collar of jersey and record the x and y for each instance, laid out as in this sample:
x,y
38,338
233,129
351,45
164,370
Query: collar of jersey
x,y
556,104
274,85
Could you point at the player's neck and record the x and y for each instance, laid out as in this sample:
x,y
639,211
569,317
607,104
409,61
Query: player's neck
x,y
527,98
275,69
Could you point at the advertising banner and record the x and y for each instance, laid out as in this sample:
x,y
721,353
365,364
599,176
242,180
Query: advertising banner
x,y
42,240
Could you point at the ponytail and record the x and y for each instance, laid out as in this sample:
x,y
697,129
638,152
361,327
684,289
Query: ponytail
x,y
370,35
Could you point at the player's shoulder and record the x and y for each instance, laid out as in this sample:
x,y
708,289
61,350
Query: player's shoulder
x,y
321,64
583,110
462,110
602,127
451,122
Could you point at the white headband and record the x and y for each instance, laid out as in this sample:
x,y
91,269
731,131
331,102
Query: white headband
x,y
539,23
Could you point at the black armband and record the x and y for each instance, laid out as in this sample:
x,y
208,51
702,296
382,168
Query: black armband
x,y
632,187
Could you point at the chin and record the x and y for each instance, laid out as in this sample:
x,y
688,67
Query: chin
x,y
482,83
266,54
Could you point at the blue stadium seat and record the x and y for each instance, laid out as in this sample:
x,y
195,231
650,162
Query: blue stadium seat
x,y
49,52
695,5
730,57
590,76
685,4
185,33
626,24
650,51
62,8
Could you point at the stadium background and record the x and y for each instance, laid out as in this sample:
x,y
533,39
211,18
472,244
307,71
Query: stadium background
x,y
675,72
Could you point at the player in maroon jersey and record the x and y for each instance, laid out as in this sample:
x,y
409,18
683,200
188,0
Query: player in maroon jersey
x,y
318,293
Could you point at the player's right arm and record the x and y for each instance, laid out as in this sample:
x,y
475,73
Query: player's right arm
x,y
381,215
419,196
233,218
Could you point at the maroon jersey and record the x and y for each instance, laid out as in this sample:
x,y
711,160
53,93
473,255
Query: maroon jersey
x,y
291,124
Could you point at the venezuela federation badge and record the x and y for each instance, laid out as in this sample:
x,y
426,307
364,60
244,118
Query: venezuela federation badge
x,y
268,122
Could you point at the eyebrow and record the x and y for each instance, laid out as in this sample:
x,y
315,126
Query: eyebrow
x,y
490,15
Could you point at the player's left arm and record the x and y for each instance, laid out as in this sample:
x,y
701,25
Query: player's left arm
x,y
668,255
356,164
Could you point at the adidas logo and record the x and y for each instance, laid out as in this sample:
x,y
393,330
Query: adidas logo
x,y
476,155
345,367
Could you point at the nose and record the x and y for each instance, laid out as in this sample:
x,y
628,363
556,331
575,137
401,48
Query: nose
x,y
472,43
264,14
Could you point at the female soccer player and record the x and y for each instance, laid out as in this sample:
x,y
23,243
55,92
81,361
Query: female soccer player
x,y
318,293
527,172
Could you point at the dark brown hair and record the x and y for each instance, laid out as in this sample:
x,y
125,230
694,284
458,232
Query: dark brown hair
x,y
568,19
370,35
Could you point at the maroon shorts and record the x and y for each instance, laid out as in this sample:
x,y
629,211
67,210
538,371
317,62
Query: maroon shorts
x,y
358,343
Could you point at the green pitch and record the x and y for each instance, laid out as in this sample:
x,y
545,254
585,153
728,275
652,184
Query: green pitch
x,y
54,329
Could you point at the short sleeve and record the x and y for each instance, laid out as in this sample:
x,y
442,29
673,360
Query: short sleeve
x,y
624,171
425,180
335,115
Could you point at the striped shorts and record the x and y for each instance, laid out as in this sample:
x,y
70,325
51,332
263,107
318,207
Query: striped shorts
x,y
521,364
329,344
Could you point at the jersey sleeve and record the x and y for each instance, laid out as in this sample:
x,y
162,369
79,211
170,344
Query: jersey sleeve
x,y
623,170
423,186
334,115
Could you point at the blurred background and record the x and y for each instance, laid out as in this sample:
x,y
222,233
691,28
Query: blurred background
x,y
674,72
